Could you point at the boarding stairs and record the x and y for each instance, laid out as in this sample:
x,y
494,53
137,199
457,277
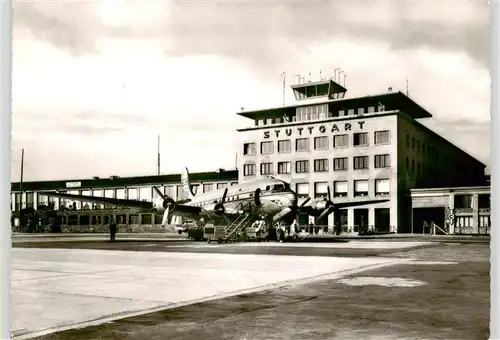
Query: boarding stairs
x,y
243,220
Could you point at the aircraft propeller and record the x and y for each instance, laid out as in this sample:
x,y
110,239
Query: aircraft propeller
x,y
329,206
167,204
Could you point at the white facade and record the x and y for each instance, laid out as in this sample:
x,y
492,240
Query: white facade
x,y
356,157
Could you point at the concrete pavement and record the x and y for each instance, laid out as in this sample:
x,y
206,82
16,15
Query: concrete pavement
x,y
56,289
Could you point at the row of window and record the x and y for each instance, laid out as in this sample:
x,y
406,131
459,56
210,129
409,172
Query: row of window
x,y
428,150
143,194
360,188
319,165
319,112
319,143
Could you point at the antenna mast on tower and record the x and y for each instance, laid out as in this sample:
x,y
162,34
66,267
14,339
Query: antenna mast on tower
x,y
284,86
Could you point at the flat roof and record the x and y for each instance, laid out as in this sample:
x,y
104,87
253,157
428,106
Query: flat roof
x,y
391,100
451,189
226,175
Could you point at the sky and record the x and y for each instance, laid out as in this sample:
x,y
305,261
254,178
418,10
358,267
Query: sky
x,y
95,83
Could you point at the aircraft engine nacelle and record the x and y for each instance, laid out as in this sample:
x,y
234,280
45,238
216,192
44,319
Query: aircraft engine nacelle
x,y
215,208
320,205
160,204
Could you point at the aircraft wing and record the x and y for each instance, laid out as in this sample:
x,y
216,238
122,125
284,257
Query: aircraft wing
x,y
343,205
103,200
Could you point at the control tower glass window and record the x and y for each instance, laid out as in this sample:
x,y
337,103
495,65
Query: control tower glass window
x,y
302,144
284,146
321,143
266,147
382,137
249,169
266,168
341,141
360,139
249,149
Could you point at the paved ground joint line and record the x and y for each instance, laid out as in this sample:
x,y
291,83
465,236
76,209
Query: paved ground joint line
x,y
277,285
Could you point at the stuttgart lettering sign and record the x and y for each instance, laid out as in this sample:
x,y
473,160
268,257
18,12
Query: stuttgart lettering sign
x,y
301,131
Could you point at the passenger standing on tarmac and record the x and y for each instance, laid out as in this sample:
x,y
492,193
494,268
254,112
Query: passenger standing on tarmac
x,y
295,226
112,229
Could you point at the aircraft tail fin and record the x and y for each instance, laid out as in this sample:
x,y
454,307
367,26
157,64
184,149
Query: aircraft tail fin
x,y
186,186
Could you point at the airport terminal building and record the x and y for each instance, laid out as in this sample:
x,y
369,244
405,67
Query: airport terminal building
x,y
139,188
362,148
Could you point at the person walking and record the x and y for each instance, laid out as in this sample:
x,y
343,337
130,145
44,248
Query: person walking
x,y
112,229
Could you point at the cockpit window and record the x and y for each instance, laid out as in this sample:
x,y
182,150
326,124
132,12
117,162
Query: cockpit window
x,y
281,186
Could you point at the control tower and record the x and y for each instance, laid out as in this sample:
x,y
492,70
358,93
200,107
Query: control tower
x,y
327,88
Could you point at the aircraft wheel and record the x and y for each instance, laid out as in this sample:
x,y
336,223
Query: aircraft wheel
x,y
280,235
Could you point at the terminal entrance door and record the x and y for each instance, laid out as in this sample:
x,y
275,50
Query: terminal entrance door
x,y
360,219
340,218
425,216
382,219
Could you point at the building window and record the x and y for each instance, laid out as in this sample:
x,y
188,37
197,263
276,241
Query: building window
x,y
413,143
463,201
382,187
350,112
382,161
284,167
284,146
208,188
408,141
371,109
301,166
249,170
320,189
302,144
320,165
321,143
29,199
221,185
360,139
361,110
266,168
266,147
382,137
249,149
361,188
340,141
360,162
418,146
423,149
483,201
302,190
340,189
340,163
